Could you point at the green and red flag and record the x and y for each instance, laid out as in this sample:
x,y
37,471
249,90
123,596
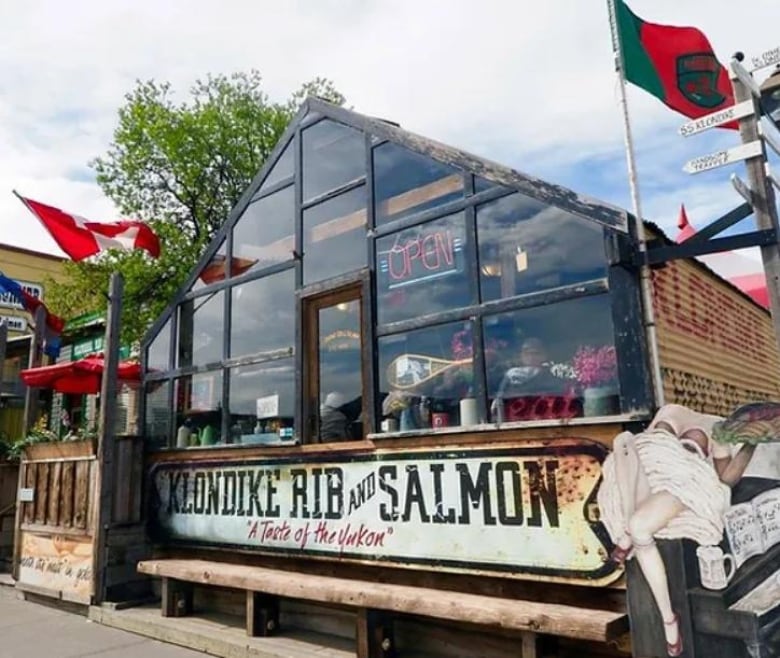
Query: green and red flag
x,y
675,64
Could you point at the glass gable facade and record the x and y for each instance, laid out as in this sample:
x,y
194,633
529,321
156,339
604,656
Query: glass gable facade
x,y
420,294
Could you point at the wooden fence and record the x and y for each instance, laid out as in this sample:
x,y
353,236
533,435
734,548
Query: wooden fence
x,y
56,520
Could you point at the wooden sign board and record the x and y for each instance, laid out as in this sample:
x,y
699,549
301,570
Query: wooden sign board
x,y
522,511
724,157
58,564
767,58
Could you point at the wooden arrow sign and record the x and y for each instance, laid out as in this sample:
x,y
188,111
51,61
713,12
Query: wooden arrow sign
x,y
722,158
715,119
767,58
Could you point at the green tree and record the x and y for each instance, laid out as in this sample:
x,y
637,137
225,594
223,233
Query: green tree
x,y
180,166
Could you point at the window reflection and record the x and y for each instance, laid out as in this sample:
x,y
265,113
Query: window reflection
x,y
526,246
284,167
201,328
263,315
334,239
262,402
340,376
199,410
265,233
333,154
424,375
482,184
423,270
158,355
157,414
543,362
214,270
406,182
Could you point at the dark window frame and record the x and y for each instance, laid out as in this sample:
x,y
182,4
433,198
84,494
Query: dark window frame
x,y
621,283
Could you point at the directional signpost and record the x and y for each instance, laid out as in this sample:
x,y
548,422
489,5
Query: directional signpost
x,y
768,58
724,157
742,188
716,119
759,189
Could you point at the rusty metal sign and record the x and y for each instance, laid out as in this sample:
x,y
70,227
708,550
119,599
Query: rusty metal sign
x,y
525,511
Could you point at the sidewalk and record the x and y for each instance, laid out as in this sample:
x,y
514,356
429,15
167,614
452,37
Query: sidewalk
x,y
31,630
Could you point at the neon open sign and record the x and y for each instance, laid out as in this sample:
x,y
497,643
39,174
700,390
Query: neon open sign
x,y
421,256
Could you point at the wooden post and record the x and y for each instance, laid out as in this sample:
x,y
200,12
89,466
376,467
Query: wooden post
x,y
104,484
763,196
176,597
374,634
33,361
262,614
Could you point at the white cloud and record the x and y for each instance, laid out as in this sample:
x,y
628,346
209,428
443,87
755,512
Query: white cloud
x,y
526,83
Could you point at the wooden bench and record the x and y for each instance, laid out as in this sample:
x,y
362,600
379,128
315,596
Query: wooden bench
x,y
375,603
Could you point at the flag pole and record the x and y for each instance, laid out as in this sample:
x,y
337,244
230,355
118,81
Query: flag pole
x,y
645,280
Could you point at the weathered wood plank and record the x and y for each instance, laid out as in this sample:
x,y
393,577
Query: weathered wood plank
x,y
55,491
30,478
81,494
122,482
41,493
554,619
67,486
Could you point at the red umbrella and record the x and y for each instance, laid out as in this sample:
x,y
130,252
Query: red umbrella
x,y
82,376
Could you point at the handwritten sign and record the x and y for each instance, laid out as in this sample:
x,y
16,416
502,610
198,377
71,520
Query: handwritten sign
x,y
724,157
715,119
767,58
522,510
59,564
421,254
268,406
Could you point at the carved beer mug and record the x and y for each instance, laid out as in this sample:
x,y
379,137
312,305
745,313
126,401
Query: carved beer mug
x,y
712,567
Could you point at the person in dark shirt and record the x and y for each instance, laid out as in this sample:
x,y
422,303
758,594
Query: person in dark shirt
x,y
334,424
530,390
532,376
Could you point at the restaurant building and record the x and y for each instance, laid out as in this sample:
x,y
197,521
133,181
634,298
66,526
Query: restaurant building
x,y
379,407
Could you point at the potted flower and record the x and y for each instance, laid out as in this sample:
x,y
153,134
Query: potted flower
x,y
596,370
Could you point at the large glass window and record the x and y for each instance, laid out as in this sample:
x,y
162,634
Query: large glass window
x,y
263,315
424,375
157,414
527,246
333,154
201,327
423,270
262,402
199,409
340,373
552,361
158,355
406,182
284,167
265,234
214,270
334,236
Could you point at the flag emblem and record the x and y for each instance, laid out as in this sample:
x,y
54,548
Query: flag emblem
x,y
697,79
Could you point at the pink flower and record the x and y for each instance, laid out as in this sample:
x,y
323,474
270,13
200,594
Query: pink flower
x,y
595,366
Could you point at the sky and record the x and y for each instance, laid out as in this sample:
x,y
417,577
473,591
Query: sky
x,y
528,84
